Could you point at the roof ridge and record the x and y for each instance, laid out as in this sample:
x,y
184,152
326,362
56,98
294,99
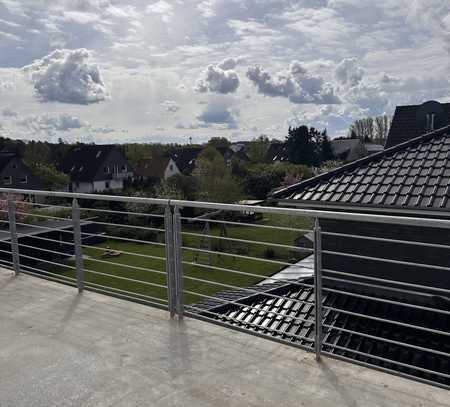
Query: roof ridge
x,y
370,158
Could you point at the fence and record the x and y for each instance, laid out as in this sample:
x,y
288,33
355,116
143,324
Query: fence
x,y
369,289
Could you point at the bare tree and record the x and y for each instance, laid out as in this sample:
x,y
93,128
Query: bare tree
x,y
382,126
362,129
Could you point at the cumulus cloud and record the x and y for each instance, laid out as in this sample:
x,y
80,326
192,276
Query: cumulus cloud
x,y
296,84
170,106
348,73
219,113
67,76
162,8
62,122
7,112
219,78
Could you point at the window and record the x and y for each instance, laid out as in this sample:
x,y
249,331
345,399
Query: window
x,y
107,185
7,180
171,167
430,121
99,153
24,180
106,169
124,168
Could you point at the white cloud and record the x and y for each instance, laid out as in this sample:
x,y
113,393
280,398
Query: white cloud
x,y
219,78
219,113
348,73
296,84
162,8
7,112
170,106
67,76
63,122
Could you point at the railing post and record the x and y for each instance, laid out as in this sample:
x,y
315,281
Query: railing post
x,y
317,288
79,264
13,234
170,261
178,261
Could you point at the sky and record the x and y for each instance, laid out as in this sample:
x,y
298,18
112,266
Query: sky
x,y
116,71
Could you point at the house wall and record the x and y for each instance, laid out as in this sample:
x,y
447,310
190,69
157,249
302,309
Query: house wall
x,y
19,174
97,186
171,169
388,250
114,165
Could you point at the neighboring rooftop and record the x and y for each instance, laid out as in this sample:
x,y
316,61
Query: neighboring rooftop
x,y
5,158
152,167
347,149
61,348
83,162
412,121
290,320
415,174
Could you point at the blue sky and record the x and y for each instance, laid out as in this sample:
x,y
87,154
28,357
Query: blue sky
x,y
166,71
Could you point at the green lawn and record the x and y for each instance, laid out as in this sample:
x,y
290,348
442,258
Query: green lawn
x,y
260,268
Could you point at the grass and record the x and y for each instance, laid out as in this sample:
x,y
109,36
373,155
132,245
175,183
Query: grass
x,y
224,260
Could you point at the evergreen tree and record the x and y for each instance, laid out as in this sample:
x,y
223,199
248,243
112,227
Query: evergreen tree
x,y
301,145
326,150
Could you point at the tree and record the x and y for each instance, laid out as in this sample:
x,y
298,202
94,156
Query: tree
x,y
50,176
362,129
326,150
382,126
214,178
219,142
302,145
258,149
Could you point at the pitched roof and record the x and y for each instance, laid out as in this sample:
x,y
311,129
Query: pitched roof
x,y
276,152
153,167
185,158
410,121
277,317
5,158
347,149
414,174
83,162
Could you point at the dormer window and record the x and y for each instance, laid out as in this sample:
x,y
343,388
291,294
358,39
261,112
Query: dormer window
x,y
430,121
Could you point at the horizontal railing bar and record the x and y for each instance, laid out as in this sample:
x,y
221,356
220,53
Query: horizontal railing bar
x,y
244,273
125,278
399,323
383,287
49,278
47,261
153,215
232,239
382,339
433,372
383,239
405,263
54,229
383,280
38,215
385,301
384,369
46,239
5,251
240,304
94,197
60,276
240,256
124,265
132,296
253,225
247,290
44,205
46,250
125,239
249,323
363,217
104,249
121,225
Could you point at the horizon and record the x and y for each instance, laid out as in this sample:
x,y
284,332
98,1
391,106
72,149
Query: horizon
x,y
133,71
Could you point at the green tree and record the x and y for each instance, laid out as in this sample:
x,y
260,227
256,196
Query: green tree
x,y
219,142
302,145
50,176
326,150
214,179
258,149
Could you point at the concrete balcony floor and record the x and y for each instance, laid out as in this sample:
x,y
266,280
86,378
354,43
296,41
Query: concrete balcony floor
x,y
61,349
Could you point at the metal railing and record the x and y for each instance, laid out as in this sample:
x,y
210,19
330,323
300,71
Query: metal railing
x,y
367,288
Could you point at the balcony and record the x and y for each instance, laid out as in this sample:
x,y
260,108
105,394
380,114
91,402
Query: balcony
x,y
61,348
192,301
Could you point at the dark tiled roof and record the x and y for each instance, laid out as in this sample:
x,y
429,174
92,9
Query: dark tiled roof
x,y
185,158
276,152
83,162
257,314
415,174
152,167
5,158
410,121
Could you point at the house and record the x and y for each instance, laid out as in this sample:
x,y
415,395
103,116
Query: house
x,y
348,150
96,168
14,173
276,153
156,167
413,121
408,179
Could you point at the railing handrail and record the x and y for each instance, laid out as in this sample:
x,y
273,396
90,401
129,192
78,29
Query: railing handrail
x,y
321,214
